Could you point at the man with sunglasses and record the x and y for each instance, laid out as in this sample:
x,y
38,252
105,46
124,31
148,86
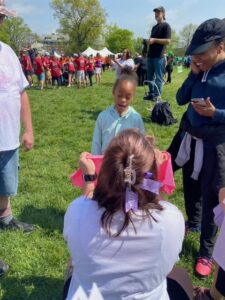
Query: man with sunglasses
x,y
14,104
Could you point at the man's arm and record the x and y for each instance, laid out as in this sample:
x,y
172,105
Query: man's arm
x,y
28,136
159,41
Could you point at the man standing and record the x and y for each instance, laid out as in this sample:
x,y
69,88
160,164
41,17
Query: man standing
x,y
160,37
14,104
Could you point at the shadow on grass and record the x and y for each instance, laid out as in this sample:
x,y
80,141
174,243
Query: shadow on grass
x,y
48,218
31,288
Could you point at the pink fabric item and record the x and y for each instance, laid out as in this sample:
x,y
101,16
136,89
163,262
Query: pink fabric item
x,y
165,173
77,176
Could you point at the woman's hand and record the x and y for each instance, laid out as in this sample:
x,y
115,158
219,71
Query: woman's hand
x,y
86,164
204,108
88,167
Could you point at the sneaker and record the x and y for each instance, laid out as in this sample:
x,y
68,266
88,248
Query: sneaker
x,y
204,266
15,224
3,268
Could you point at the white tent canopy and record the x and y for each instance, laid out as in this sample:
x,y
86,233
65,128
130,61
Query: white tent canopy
x,y
105,52
90,51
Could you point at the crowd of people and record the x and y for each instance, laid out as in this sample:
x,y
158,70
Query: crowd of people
x,y
60,70
121,231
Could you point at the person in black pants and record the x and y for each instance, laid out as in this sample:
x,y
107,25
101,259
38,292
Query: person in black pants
x,y
205,119
159,39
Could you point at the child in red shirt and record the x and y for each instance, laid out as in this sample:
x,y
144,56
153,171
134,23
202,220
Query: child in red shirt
x,y
71,71
39,70
55,67
90,68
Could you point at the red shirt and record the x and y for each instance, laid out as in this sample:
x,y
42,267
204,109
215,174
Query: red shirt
x,y
38,65
98,62
71,67
26,63
90,65
46,62
55,67
80,62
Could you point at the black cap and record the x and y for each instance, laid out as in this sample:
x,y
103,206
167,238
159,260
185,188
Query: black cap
x,y
205,36
160,8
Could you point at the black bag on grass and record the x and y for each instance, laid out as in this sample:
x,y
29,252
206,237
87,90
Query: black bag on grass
x,y
162,114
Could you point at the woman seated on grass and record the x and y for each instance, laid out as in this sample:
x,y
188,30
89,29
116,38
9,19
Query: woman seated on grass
x,y
119,116
122,236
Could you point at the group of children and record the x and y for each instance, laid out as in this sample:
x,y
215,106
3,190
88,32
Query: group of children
x,y
52,70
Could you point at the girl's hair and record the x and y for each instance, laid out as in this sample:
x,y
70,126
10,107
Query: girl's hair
x,y
127,74
111,187
128,54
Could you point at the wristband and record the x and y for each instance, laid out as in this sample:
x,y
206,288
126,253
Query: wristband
x,y
90,178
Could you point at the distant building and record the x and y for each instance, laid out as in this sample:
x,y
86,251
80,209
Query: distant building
x,y
54,41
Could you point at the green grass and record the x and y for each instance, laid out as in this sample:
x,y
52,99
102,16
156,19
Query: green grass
x,y
63,123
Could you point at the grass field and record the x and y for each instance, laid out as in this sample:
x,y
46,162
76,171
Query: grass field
x,y
63,123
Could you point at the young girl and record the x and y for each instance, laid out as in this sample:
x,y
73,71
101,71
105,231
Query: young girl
x,y
90,69
121,234
71,71
98,68
119,116
56,71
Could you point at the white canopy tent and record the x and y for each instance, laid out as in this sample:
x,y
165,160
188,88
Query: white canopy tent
x,y
89,51
104,52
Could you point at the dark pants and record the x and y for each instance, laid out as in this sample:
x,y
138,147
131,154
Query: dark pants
x,y
206,186
191,187
90,75
142,76
169,70
58,80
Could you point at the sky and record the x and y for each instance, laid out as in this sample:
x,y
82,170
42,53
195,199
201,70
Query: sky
x,y
135,15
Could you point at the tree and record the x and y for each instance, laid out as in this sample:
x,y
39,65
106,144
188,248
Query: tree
x,y
118,39
138,45
174,42
16,33
186,35
82,20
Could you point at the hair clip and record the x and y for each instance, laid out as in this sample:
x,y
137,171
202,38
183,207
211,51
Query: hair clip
x,y
131,198
129,173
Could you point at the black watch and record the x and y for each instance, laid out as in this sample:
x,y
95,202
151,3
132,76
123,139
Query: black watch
x,y
88,177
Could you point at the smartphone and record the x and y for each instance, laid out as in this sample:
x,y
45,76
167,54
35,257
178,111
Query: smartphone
x,y
199,101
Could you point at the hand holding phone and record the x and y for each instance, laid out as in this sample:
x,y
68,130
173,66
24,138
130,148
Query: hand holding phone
x,y
198,101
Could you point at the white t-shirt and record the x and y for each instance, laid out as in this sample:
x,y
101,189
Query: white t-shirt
x,y
129,267
12,83
128,62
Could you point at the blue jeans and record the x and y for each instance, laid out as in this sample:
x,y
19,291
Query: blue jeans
x,y
155,71
9,165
